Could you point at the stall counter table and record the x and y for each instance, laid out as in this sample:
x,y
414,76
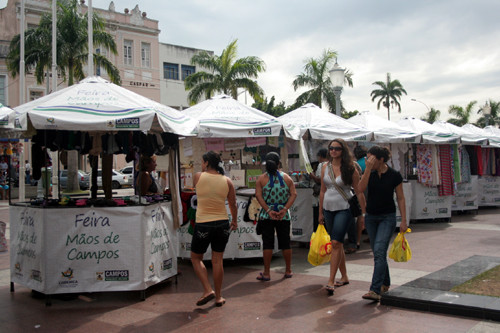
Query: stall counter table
x,y
489,191
427,204
92,249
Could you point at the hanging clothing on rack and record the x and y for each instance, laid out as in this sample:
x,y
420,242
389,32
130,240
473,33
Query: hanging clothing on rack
x,y
445,158
456,165
424,164
465,170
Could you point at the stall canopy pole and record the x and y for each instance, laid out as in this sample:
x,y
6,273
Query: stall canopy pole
x,y
90,33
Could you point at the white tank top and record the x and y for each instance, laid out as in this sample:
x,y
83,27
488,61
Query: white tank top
x,y
333,200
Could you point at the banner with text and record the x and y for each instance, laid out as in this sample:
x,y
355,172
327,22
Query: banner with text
x,y
466,195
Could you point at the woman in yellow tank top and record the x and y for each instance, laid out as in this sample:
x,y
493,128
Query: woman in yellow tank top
x,y
212,224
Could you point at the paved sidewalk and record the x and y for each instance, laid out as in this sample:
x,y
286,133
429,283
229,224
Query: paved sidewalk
x,y
299,304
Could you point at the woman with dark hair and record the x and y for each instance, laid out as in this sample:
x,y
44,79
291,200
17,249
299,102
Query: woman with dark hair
x,y
212,224
145,181
337,178
275,192
380,222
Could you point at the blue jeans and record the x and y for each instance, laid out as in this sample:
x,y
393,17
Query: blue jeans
x,y
336,223
380,229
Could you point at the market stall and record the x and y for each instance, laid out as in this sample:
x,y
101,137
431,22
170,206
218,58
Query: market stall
x,y
66,245
242,135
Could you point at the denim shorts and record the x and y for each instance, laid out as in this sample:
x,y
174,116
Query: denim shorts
x,y
337,222
214,233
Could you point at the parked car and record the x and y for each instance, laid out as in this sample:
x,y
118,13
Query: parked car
x,y
83,179
117,179
129,172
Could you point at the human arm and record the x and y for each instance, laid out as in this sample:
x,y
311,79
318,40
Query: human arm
x,y
360,195
291,198
261,182
231,199
366,175
400,196
321,219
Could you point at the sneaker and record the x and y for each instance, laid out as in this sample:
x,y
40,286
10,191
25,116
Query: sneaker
x,y
371,295
384,289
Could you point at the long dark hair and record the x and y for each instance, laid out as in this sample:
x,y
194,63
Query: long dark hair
x,y
346,164
272,163
379,151
213,160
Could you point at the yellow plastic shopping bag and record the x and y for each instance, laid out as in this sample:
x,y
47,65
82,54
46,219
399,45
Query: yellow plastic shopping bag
x,y
400,250
320,248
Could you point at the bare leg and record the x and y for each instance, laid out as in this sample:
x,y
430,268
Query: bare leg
x,y
268,255
287,254
335,260
342,267
201,273
218,274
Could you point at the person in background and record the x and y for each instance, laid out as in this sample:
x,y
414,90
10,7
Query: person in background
x,y
322,157
212,224
380,222
334,210
356,229
27,171
145,182
4,185
276,193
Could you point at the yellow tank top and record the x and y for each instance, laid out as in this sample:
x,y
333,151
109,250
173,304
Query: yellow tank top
x,y
211,193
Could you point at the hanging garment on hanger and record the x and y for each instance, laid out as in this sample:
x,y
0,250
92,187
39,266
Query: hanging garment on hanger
x,y
447,186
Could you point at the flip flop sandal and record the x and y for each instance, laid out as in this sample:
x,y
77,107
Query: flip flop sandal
x,y
205,299
330,289
341,283
261,277
288,276
219,304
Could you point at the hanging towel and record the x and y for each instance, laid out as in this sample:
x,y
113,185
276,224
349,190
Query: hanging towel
x,y
255,142
214,144
234,144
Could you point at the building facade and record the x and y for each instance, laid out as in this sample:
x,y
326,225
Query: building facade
x,y
136,36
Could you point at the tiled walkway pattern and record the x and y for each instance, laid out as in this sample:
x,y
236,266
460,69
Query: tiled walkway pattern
x,y
299,304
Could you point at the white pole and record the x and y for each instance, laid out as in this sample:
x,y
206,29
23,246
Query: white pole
x,y
22,189
55,156
90,13
21,63
54,45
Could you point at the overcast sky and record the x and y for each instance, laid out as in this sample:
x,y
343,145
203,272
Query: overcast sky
x,y
442,52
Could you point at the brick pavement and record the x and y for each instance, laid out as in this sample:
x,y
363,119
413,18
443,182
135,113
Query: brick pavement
x,y
298,304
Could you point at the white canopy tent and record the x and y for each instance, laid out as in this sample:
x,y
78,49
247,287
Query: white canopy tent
x,y
322,125
96,104
7,117
494,134
465,136
384,131
430,134
224,117
493,140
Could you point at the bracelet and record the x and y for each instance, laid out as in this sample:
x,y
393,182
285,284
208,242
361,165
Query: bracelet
x,y
268,210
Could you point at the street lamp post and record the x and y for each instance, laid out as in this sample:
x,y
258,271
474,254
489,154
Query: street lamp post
x,y
337,77
416,100
487,112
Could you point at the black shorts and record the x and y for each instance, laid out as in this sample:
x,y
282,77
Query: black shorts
x,y
282,232
215,233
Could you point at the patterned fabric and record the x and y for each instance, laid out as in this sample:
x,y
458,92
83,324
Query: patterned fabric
x,y
276,194
424,164
445,159
479,155
464,165
456,165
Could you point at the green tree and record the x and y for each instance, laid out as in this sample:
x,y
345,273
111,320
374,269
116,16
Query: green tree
x,y
316,76
389,94
494,118
72,45
226,74
431,116
270,107
349,114
462,114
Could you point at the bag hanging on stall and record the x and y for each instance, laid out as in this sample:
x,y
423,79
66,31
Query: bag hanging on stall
x,y
400,249
354,206
320,249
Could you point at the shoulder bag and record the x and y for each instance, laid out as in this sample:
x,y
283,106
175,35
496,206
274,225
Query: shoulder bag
x,y
354,206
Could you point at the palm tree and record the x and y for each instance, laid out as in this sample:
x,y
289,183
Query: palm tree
x,y
494,117
389,94
431,116
462,114
72,45
226,74
316,75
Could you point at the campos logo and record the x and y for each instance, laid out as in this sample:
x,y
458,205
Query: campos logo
x,y
127,123
36,275
167,264
116,275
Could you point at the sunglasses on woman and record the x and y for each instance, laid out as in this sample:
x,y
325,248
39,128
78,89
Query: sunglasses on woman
x,y
335,148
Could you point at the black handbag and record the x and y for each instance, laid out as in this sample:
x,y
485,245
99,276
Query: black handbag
x,y
354,206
